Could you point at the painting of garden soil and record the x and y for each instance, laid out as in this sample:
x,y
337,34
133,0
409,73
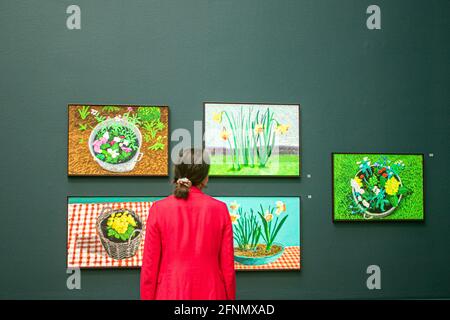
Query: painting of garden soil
x,y
107,140
378,187
109,232
253,139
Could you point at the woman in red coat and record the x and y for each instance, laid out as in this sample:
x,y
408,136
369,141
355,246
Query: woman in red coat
x,y
188,250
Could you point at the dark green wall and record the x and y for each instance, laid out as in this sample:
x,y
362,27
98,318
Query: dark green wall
x,y
360,91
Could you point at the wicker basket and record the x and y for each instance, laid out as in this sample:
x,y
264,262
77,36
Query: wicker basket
x,y
119,250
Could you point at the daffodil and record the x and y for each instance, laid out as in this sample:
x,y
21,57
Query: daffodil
x,y
234,206
234,218
259,128
281,207
392,186
217,117
268,216
224,134
282,128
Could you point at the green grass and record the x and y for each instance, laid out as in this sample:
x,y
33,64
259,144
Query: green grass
x,y
345,168
288,166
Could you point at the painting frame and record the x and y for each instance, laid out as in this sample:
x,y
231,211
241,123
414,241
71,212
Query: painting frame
x,y
110,174
376,221
164,196
299,138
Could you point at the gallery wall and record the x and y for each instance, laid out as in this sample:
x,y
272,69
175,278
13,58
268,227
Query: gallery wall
x,y
360,90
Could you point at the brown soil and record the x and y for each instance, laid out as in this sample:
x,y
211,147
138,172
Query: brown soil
x,y
259,252
80,161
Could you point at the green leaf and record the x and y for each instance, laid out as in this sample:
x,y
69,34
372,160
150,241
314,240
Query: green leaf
x,y
382,181
402,190
393,200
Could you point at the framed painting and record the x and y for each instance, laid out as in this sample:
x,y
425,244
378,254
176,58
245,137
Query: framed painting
x,y
266,232
118,140
378,187
252,139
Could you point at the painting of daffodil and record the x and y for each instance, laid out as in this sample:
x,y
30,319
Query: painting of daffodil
x,y
247,139
266,232
378,187
117,140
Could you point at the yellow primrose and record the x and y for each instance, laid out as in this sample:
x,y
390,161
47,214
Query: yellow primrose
x,y
224,134
234,206
234,218
392,186
358,181
217,117
281,207
259,128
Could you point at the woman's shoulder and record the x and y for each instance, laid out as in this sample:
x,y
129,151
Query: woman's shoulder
x,y
215,202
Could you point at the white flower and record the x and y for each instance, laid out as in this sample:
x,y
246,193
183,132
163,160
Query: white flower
x,y
360,198
106,135
361,191
126,142
376,190
354,184
365,204
117,139
114,154
94,112
119,117
234,205
365,158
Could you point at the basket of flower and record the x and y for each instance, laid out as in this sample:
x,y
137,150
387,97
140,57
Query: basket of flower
x,y
250,227
120,232
377,188
115,145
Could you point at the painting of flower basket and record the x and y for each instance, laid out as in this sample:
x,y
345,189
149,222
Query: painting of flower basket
x,y
109,232
378,187
246,139
117,140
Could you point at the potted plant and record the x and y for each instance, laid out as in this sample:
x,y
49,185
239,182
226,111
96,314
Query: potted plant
x,y
377,188
120,232
250,227
115,145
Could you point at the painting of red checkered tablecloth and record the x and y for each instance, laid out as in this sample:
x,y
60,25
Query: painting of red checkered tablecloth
x,y
289,260
84,249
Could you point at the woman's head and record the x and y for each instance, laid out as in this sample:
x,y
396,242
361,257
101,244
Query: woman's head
x,y
191,169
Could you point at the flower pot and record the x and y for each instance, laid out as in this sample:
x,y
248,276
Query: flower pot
x,y
257,261
376,215
119,167
117,249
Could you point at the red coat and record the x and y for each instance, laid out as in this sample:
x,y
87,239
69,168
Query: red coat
x,y
188,250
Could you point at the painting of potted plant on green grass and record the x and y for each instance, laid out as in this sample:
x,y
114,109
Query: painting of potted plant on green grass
x,y
246,139
118,140
266,232
378,187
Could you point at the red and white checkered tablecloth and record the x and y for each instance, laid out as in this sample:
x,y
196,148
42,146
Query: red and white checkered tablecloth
x,y
289,260
85,250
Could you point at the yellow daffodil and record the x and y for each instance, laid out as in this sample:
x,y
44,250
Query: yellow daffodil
x,y
268,216
281,207
392,186
282,128
217,117
234,206
259,128
224,134
234,218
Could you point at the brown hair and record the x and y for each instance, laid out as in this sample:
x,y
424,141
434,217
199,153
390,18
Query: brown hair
x,y
190,165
